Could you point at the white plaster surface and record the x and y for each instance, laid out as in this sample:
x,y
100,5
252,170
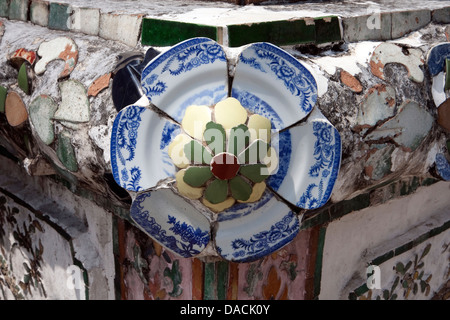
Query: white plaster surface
x,y
357,238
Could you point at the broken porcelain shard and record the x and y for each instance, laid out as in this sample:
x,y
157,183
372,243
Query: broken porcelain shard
x,y
226,155
386,53
61,48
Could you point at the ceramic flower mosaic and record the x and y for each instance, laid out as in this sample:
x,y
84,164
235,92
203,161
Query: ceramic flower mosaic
x,y
215,163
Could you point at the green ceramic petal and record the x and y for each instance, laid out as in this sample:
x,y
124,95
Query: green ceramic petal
x,y
215,137
240,190
253,172
239,139
197,176
255,152
3,93
23,79
217,191
197,153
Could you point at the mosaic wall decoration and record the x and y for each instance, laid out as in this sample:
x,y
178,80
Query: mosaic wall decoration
x,y
219,167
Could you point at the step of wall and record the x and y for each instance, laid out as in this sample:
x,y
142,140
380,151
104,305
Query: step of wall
x,y
158,23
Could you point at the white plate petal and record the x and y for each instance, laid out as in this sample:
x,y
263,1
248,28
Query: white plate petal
x,y
194,71
253,232
139,143
268,77
171,221
314,164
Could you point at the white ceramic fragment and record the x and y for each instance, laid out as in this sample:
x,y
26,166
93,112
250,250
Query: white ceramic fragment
x,y
391,53
408,128
61,48
74,105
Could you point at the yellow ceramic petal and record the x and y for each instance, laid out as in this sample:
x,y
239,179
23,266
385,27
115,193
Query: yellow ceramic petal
x,y
229,113
257,192
259,127
186,190
195,120
176,150
271,161
219,206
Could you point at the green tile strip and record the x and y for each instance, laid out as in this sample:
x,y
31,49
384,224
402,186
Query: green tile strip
x,y
162,33
335,211
327,29
216,280
319,259
209,290
276,32
398,251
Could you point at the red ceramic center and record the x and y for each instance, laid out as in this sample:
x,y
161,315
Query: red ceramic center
x,y
225,166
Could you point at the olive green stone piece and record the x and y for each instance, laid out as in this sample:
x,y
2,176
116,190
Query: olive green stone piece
x,y
217,191
239,139
255,152
215,137
3,93
41,112
23,79
240,190
66,152
197,153
253,172
197,176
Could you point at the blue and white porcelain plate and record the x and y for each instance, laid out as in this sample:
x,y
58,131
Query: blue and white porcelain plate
x,y
139,145
194,71
269,77
267,81
171,221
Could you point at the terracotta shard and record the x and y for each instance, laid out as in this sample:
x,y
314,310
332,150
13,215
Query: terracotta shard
x,y
99,84
351,82
15,110
444,115
20,56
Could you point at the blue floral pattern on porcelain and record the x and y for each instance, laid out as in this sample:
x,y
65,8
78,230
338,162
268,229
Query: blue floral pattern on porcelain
x,y
267,81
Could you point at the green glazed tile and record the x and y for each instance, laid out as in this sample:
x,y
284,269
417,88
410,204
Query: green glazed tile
x,y
197,153
18,10
59,15
23,79
239,139
240,190
215,137
253,172
66,152
327,29
3,93
216,191
197,176
276,32
157,32
4,8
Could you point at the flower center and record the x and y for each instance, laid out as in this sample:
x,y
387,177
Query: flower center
x,y
225,166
